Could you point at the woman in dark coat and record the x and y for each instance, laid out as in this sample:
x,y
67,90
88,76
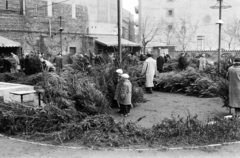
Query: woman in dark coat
x,y
160,63
27,65
7,65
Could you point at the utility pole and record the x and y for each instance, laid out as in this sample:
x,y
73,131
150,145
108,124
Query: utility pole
x,y
61,30
119,10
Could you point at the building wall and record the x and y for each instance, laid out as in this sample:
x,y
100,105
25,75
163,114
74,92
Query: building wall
x,y
128,25
35,25
196,13
102,16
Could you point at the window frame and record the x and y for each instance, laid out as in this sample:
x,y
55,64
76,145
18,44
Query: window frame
x,y
170,27
170,10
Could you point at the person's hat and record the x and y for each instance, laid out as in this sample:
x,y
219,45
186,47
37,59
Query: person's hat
x,y
203,55
125,76
119,71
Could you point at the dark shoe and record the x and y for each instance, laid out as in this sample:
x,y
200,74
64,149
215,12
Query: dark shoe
x,y
150,90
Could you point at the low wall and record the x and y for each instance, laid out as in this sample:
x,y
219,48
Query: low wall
x,y
213,54
6,88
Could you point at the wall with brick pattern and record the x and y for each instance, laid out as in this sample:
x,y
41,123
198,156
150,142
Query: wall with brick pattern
x,y
35,25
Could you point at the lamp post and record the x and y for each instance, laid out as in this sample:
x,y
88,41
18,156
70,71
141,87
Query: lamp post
x,y
119,10
220,6
60,30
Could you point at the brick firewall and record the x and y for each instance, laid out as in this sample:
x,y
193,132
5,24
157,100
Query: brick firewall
x,y
22,27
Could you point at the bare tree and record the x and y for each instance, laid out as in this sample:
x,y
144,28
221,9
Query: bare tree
x,y
231,32
186,32
167,32
150,28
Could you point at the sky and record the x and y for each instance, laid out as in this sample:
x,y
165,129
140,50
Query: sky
x,y
130,5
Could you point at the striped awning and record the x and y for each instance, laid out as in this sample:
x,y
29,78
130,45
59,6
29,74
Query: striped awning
x,y
5,42
113,41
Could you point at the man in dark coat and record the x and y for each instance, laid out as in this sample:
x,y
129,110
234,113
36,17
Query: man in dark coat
x,y
27,66
183,61
58,62
160,63
7,65
167,58
98,59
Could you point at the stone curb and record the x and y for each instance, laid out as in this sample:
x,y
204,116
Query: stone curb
x,y
123,149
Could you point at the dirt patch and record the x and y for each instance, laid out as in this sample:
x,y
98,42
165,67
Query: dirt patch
x,y
165,105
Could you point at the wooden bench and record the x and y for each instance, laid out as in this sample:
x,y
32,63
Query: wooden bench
x,y
22,93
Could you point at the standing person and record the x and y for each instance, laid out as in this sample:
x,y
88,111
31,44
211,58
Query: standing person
x,y
183,61
98,60
160,63
58,62
125,95
48,66
16,62
202,62
167,58
234,86
149,71
27,65
92,58
117,84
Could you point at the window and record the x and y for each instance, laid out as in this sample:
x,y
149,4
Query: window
x,y
183,29
49,8
73,51
74,11
170,27
22,7
170,13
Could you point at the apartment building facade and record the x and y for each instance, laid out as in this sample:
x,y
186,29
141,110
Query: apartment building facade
x,y
189,24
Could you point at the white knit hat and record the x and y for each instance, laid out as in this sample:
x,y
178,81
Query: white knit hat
x,y
125,76
119,71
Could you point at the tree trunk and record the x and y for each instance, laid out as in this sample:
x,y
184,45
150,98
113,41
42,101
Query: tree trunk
x,y
144,49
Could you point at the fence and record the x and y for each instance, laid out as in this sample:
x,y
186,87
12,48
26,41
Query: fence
x,y
213,55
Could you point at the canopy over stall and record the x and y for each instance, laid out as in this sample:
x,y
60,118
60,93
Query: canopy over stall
x,y
113,41
4,42
110,44
7,46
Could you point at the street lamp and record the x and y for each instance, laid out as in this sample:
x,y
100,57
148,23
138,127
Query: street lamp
x,y
119,14
61,30
220,6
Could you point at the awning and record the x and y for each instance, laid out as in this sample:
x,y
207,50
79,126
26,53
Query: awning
x,y
4,42
113,41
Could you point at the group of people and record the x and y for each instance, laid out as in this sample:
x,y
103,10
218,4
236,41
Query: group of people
x,y
9,63
123,92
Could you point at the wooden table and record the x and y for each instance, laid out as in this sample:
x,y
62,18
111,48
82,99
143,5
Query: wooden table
x,y
22,93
